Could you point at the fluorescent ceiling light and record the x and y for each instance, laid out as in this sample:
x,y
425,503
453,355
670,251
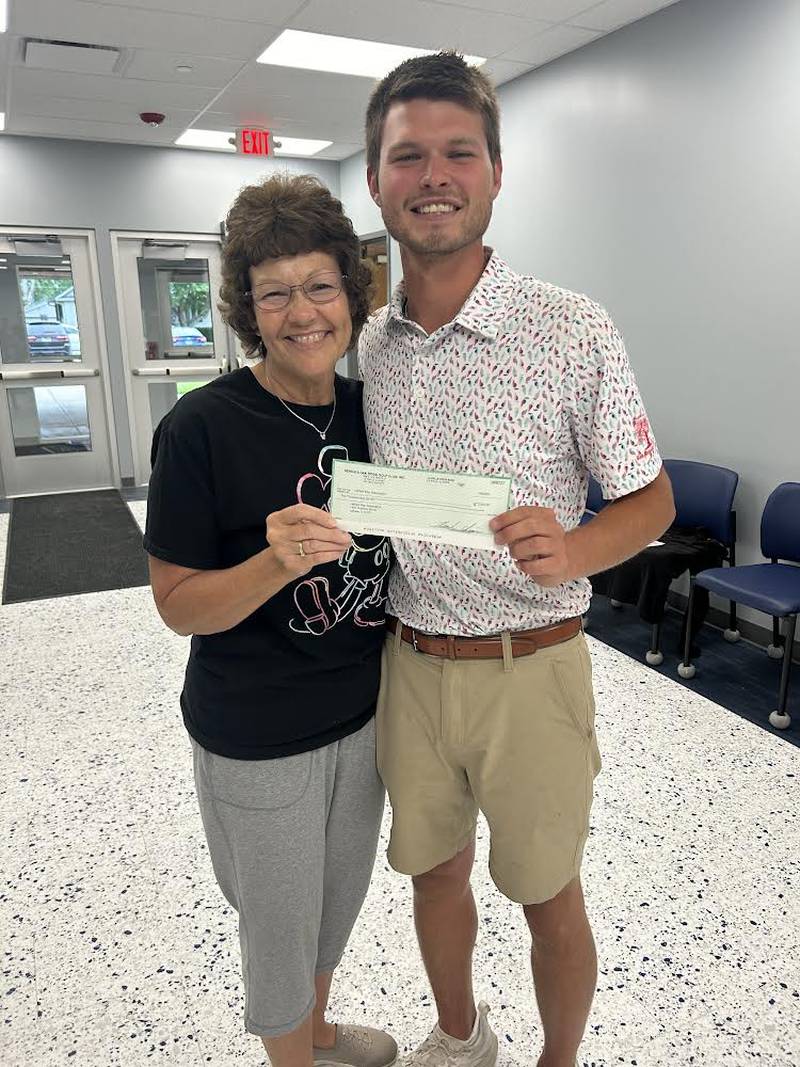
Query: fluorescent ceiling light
x,y
298,146
341,55
2,120
3,16
206,139
220,140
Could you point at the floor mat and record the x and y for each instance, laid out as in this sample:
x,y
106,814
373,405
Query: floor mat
x,y
69,543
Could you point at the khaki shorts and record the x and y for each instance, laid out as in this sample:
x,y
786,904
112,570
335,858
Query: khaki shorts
x,y
512,738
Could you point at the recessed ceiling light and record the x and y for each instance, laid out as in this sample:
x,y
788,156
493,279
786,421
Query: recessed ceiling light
x,y
298,146
206,139
341,55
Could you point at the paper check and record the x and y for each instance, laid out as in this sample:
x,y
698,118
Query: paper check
x,y
454,509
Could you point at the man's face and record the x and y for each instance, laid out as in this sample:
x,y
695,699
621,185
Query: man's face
x,y
435,182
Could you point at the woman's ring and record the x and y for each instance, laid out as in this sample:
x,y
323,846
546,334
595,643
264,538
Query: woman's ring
x,y
300,547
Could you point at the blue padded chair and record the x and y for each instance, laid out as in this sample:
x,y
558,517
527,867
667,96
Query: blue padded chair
x,y
773,587
703,494
594,500
594,497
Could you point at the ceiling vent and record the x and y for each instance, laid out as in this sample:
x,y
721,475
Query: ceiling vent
x,y
69,56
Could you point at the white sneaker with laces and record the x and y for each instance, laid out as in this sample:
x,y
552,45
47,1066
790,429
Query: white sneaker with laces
x,y
441,1050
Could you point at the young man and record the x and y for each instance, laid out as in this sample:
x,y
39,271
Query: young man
x,y
486,696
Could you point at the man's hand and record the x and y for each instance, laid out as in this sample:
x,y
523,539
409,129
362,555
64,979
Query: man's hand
x,y
537,542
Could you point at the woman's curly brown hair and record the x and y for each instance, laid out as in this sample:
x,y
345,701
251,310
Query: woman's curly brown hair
x,y
287,215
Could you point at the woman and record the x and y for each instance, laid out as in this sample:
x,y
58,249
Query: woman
x,y
286,612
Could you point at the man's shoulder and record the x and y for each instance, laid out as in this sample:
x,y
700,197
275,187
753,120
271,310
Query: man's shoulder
x,y
373,334
376,322
552,296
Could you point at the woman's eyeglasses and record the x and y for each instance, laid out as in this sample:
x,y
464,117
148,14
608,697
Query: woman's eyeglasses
x,y
320,288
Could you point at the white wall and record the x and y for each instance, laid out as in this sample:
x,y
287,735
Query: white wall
x,y
657,170
51,183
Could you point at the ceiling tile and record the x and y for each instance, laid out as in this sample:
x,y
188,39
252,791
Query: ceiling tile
x,y
549,45
611,14
416,23
128,27
503,70
145,96
548,10
308,91
97,110
341,150
289,123
91,131
160,66
272,11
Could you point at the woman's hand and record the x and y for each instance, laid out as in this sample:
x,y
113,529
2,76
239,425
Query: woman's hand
x,y
312,528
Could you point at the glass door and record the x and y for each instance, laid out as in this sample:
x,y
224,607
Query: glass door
x,y
54,400
174,339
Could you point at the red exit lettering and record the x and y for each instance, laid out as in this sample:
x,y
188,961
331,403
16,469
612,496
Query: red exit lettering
x,y
254,142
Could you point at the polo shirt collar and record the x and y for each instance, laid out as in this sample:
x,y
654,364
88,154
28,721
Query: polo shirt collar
x,y
485,307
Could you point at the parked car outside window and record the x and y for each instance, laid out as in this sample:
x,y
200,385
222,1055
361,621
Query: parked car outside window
x,y
74,339
48,339
188,335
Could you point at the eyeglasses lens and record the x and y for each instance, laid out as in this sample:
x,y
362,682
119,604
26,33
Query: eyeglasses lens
x,y
319,288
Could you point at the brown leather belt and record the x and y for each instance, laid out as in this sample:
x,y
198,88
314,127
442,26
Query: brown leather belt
x,y
523,642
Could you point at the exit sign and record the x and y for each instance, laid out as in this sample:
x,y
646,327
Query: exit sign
x,y
250,142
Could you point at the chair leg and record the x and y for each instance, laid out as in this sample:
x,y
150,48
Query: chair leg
x,y
775,650
654,655
732,633
780,719
686,669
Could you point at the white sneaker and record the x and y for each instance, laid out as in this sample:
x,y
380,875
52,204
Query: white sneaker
x,y
441,1050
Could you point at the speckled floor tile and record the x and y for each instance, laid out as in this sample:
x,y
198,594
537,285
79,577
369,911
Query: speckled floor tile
x,y
138,509
132,1032
119,948
18,1003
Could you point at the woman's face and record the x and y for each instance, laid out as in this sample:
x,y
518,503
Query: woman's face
x,y
303,339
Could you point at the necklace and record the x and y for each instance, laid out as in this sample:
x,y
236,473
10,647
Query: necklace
x,y
322,433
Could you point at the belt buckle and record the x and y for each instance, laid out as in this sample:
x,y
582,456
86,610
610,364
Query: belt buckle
x,y
414,639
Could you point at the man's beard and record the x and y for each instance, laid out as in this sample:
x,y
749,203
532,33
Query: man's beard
x,y
438,242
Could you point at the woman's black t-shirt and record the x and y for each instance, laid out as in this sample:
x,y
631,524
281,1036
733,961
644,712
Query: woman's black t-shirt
x,y
303,670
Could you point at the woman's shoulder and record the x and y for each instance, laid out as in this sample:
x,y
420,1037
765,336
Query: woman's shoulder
x,y
207,399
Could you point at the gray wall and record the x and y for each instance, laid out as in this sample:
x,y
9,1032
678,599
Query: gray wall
x,y
657,170
50,183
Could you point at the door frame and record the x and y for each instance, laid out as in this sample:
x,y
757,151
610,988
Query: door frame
x,y
100,326
228,338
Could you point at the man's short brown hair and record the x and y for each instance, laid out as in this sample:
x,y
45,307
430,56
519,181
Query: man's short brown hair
x,y
287,215
443,76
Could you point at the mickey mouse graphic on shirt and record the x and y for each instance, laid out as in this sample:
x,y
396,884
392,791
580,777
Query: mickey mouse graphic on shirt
x,y
364,565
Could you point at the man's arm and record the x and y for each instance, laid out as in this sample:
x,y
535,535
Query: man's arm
x,y
549,555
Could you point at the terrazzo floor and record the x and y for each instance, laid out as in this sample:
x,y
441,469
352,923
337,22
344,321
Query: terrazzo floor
x,y
118,948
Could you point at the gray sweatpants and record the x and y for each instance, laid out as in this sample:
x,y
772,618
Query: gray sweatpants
x,y
292,842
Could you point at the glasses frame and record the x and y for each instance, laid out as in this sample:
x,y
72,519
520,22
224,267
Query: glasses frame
x,y
302,285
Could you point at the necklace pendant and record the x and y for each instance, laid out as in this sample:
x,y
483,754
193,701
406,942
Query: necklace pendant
x,y
322,435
